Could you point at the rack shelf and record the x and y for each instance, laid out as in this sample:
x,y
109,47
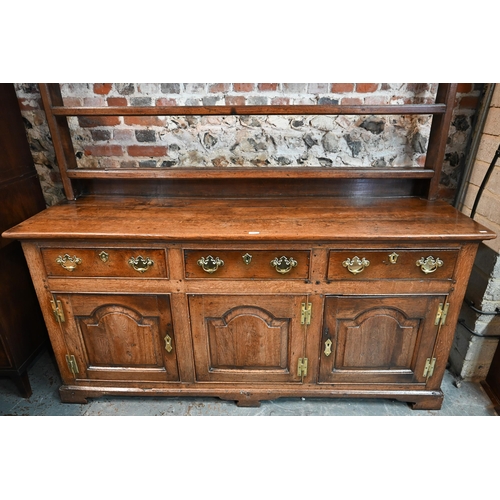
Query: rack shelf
x,y
295,109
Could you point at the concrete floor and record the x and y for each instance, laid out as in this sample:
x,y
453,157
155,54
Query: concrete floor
x,y
468,400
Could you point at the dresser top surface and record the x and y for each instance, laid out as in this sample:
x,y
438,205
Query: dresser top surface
x,y
276,219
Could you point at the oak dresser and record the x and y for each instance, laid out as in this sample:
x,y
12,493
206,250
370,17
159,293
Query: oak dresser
x,y
250,284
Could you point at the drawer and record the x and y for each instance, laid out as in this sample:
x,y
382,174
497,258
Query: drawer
x,y
247,264
105,262
392,263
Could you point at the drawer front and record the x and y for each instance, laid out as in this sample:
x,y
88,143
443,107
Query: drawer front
x,y
247,264
105,262
396,264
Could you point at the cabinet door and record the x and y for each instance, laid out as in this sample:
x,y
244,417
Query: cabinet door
x,y
120,337
247,338
378,339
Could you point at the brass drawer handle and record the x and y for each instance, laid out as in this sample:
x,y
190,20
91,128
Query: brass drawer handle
x,y
430,264
140,264
209,264
283,265
67,262
356,265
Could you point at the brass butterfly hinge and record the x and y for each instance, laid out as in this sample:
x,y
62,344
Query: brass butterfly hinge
x,y
73,367
305,313
441,314
302,367
58,310
429,367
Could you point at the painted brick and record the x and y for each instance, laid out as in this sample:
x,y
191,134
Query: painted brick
x,y
140,101
128,164
147,164
212,100
163,101
465,88
351,101
280,101
195,88
148,88
366,87
266,87
218,87
109,163
238,100
418,88
488,206
144,120
171,88
145,135
468,102
125,88
495,100
72,101
299,88
257,100
377,100
104,150
147,150
342,88
29,104
94,101
100,134
98,121
123,135
102,88
487,148
117,101
243,87
318,88
492,125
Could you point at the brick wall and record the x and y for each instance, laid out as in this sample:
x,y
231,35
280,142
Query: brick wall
x,y
173,142
471,355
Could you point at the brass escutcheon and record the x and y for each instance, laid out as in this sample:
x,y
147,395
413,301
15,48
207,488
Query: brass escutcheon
x,y
283,265
140,264
328,347
209,264
67,262
430,264
168,343
247,258
393,258
356,265
104,256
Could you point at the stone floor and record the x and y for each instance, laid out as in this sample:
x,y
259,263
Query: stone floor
x,y
467,400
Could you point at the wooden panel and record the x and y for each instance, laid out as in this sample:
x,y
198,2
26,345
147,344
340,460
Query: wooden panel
x,y
378,339
15,155
120,337
4,356
269,219
259,267
91,264
246,338
20,198
241,187
380,266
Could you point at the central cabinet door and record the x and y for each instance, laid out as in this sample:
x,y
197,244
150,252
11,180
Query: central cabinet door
x,y
247,338
120,337
378,339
